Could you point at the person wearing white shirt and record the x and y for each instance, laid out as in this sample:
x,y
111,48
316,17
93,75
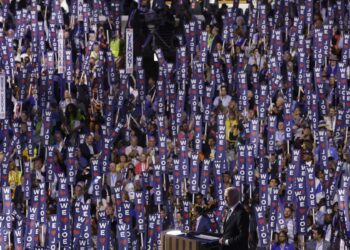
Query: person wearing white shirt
x,y
133,151
330,119
80,196
318,242
223,99
290,223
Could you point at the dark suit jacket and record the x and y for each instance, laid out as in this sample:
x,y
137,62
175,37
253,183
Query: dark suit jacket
x,y
236,229
18,199
204,225
85,152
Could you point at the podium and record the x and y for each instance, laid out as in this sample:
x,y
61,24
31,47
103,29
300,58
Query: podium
x,y
188,241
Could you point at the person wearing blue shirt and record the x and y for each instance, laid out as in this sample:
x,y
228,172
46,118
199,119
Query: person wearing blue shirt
x,y
282,243
202,221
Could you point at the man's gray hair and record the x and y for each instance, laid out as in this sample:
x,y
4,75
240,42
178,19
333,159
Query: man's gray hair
x,y
233,193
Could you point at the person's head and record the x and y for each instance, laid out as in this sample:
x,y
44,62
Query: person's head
x,y
112,167
101,30
273,182
218,46
133,141
131,172
231,196
328,218
255,68
318,233
279,102
288,212
208,28
143,158
280,126
58,136
318,21
96,48
78,190
282,237
320,174
332,112
145,3
215,31
227,178
199,199
151,82
123,158
211,141
223,91
287,56
170,190
137,184
38,163
89,139
297,112
152,141
332,77
109,210
178,216
67,95
162,213
335,208
307,131
126,196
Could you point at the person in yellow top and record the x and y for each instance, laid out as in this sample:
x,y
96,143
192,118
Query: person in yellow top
x,y
232,130
26,155
123,162
14,177
116,46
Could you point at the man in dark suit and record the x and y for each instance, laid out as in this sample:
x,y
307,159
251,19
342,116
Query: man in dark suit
x,y
202,221
88,148
236,224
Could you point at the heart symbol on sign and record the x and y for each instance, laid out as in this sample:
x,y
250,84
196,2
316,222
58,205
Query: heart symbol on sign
x,y
64,219
302,210
103,240
261,221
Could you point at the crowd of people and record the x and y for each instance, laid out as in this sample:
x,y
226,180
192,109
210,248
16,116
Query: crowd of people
x,y
258,99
